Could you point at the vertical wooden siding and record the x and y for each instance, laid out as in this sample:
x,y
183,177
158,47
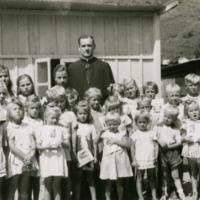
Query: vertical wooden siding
x,y
57,35
128,41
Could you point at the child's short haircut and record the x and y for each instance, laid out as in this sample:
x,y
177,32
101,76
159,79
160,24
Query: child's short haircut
x,y
172,88
111,102
3,87
187,105
83,105
55,110
131,81
116,87
150,84
143,115
59,68
92,92
145,100
192,78
112,116
172,111
55,92
14,101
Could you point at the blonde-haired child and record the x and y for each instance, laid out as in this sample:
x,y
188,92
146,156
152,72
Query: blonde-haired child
x,y
192,88
85,142
169,140
144,152
51,141
173,97
33,117
21,160
191,138
57,95
115,163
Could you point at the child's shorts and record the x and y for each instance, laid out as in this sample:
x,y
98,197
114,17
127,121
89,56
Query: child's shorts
x,y
170,158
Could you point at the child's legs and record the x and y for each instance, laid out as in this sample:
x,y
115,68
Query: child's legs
x,y
119,183
164,180
176,178
48,187
139,181
78,181
151,173
1,183
91,181
34,187
57,187
194,173
109,184
24,185
12,187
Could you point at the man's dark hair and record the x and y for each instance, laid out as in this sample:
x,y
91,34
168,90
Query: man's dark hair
x,y
84,37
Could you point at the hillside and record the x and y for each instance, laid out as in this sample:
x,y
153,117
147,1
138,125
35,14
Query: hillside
x,y
180,30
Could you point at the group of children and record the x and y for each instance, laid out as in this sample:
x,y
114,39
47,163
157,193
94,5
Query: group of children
x,y
61,139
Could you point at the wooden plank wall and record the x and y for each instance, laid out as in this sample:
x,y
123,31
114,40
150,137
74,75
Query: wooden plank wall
x,y
24,37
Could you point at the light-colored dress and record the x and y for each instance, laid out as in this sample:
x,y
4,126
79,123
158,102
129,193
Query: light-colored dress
x,y
85,136
146,150
193,130
52,162
115,161
22,135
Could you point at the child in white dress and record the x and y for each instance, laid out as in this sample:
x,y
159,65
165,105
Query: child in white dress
x,y
84,142
115,163
21,160
32,117
190,132
67,119
51,141
144,153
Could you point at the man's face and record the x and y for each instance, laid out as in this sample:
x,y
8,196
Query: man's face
x,y
86,47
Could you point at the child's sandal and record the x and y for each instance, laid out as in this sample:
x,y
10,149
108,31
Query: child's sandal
x,y
164,197
195,196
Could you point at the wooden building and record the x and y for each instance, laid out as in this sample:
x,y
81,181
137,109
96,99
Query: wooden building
x,y
35,35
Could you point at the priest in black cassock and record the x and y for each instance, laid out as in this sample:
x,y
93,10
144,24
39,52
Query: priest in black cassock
x,y
89,71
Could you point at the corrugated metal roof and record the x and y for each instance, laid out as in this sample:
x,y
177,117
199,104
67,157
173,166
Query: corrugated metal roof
x,y
84,5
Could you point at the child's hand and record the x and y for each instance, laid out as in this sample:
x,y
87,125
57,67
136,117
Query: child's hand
x,y
112,141
189,139
95,160
134,163
162,143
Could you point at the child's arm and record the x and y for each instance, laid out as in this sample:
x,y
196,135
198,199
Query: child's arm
x,y
122,143
74,139
15,150
132,144
66,138
98,136
173,146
